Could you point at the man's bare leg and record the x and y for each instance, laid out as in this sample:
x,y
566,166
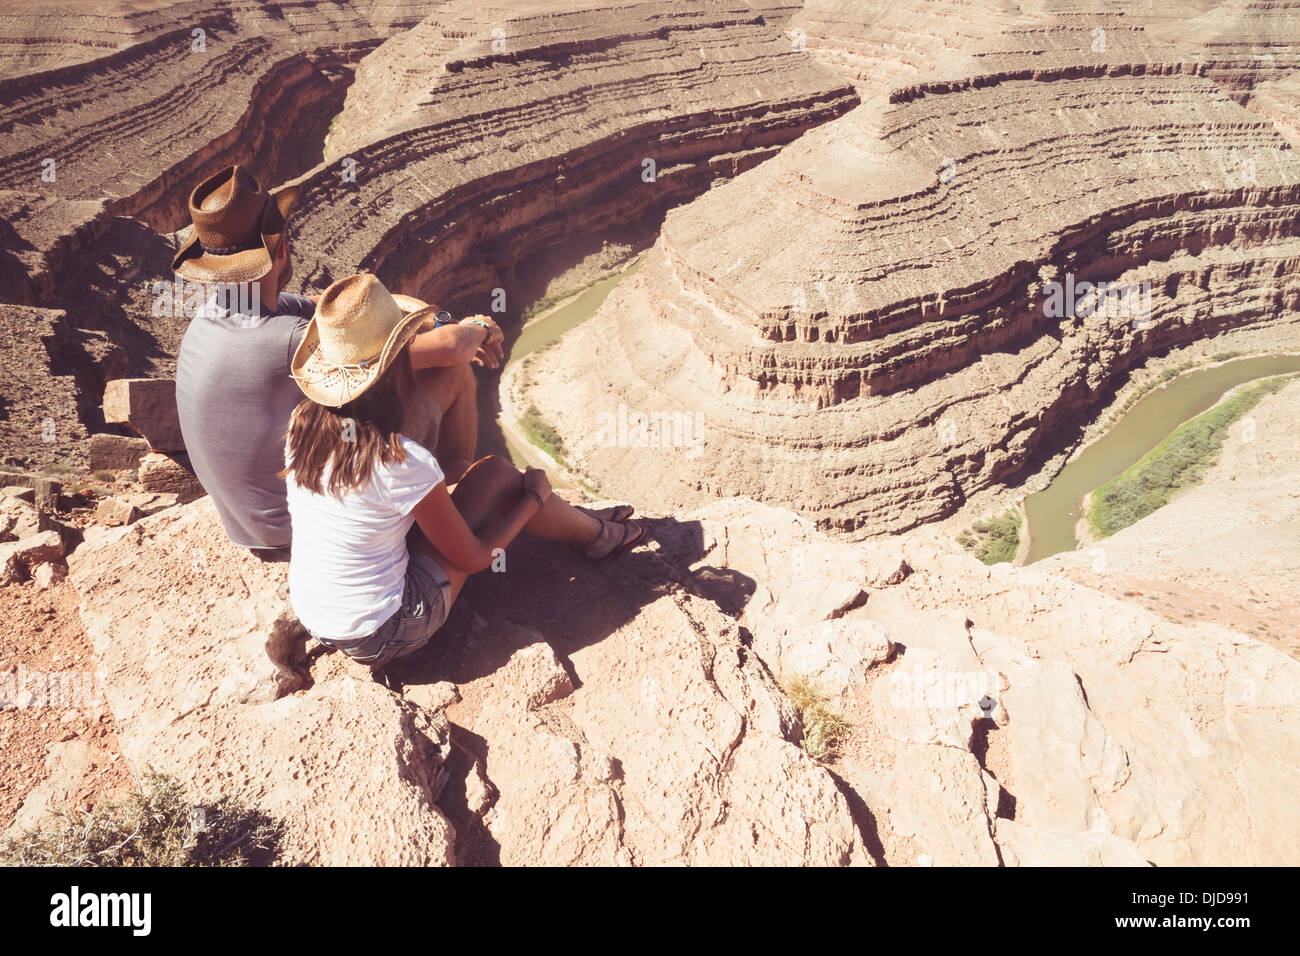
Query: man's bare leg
x,y
455,390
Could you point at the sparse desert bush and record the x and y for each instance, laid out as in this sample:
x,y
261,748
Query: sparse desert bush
x,y
823,729
538,306
103,475
157,828
995,540
539,432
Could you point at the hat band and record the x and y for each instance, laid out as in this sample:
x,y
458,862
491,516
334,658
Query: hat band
x,y
230,250
363,366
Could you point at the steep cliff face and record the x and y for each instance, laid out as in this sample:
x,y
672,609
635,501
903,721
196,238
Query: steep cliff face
x,y
484,135
110,114
193,88
903,308
472,139
634,714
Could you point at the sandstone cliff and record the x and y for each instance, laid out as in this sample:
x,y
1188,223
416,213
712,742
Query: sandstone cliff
x,y
633,713
861,329
439,146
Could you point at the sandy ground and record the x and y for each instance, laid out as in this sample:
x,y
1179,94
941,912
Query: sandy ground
x,y
41,632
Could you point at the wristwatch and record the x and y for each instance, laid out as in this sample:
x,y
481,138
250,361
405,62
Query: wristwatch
x,y
440,318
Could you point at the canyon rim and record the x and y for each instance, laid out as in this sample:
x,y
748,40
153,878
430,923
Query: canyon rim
x,y
897,262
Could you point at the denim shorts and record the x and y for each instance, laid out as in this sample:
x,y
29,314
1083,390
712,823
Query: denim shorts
x,y
426,601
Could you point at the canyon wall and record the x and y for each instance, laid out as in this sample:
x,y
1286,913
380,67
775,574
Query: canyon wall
x,y
480,137
438,145
871,327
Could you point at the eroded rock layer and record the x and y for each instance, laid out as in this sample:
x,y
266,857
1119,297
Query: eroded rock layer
x,y
472,138
995,716
485,134
873,326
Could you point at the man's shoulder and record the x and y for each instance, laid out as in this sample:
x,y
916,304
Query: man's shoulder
x,y
297,306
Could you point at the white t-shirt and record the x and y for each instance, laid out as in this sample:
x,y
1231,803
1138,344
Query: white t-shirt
x,y
348,564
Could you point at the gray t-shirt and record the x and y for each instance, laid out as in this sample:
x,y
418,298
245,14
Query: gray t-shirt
x,y
235,396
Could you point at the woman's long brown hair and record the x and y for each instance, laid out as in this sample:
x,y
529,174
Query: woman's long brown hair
x,y
353,438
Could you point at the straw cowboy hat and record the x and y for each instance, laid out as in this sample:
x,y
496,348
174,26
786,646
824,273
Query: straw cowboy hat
x,y
358,329
238,227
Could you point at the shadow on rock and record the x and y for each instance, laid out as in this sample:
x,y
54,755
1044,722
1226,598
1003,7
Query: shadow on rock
x,y
550,593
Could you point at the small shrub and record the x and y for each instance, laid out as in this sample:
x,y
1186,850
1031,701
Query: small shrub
x,y
823,729
539,306
103,475
157,828
994,540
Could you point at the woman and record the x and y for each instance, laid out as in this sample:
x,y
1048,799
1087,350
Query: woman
x,y
381,548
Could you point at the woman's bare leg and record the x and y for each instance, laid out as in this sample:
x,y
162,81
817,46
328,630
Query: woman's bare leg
x,y
492,484
496,483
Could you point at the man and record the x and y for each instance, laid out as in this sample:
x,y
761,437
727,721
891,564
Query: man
x,y
233,390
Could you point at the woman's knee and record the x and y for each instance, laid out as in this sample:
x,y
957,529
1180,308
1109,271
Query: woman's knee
x,y
494,467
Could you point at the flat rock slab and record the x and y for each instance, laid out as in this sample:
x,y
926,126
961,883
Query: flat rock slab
x,y
149,406
116,452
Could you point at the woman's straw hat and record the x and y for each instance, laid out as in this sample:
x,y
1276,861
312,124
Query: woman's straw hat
x,y
356,333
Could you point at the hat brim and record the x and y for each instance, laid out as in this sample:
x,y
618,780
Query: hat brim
x,y
408,303
328,384
247,265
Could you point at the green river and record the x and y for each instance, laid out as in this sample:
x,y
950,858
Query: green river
x,y
535,334
1053,512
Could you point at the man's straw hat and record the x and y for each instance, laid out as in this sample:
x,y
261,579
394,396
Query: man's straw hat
x,y
238,227
357,331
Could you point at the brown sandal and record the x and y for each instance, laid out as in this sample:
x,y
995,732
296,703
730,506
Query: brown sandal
x,y
625,544
619,513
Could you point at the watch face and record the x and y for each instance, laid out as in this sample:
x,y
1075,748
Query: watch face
x,y
442,317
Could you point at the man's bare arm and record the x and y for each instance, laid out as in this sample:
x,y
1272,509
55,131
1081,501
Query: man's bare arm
x,y
449,345
458,344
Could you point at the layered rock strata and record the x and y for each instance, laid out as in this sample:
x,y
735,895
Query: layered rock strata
x,y
902,309
486,134
471,139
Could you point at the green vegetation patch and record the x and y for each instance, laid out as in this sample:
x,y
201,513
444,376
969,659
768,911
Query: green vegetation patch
x,y
995,540
538,306
1176,463
539,432
157,828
